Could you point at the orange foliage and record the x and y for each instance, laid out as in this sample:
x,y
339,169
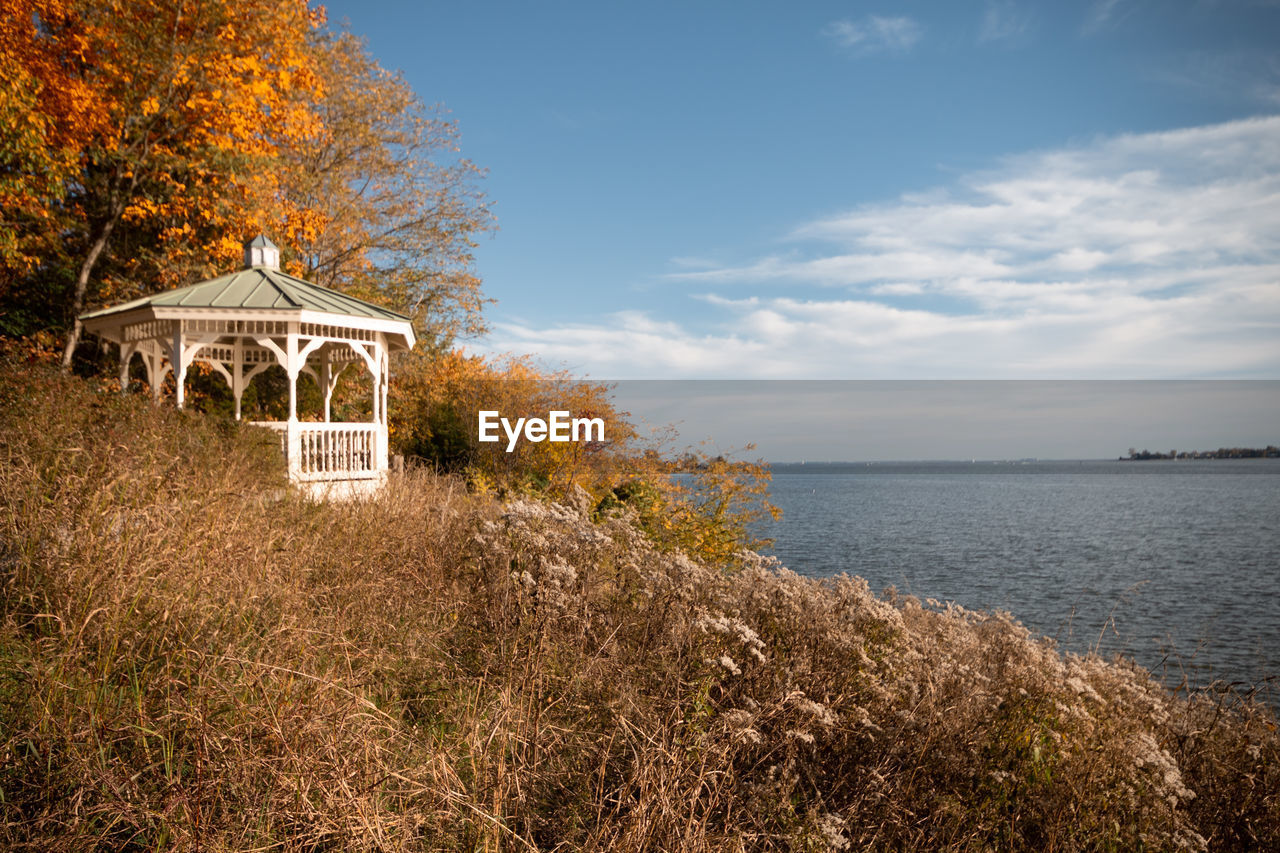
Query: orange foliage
x,y
47,116
140,142
200,97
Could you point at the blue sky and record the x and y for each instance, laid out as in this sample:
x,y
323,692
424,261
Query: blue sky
x,y
893,190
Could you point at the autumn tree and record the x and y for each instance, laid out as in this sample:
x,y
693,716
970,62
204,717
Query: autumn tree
x,y
385,207
203,95
144,139
193,99
48,114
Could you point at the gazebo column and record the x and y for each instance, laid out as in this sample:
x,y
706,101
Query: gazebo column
x,y
126,355
374,354
292,368
380,412
375,377
154,361
181,354
295,361
178,363
323,377
288,359
237,373
292,431
327,380
386,382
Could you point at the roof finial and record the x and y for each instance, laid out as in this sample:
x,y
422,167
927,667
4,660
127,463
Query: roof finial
x,y
261,252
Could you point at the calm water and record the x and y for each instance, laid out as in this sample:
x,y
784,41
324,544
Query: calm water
x,y
1176,564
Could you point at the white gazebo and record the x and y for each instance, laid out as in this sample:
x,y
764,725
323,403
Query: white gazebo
x,y
241,324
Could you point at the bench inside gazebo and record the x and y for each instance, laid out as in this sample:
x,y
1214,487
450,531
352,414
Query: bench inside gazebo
x,y
242,323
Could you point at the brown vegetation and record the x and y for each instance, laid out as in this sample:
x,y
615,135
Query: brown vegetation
x,y
190,658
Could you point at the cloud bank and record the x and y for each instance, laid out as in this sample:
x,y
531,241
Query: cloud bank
x,y
1141,256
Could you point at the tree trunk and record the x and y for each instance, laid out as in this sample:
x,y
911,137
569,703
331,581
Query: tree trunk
x,y
82,286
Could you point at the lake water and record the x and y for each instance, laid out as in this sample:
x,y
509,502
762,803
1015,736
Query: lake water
x,y
1174,563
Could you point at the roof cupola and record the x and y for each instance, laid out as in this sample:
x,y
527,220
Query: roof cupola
x,y
261,252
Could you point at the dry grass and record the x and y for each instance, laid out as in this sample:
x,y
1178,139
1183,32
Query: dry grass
x,y
186,665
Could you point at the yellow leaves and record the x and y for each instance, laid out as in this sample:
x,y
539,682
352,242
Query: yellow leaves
x,y
304,225
141,209
233,81
192,121
46,115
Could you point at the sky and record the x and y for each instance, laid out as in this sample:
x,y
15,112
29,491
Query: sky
x,y
866,190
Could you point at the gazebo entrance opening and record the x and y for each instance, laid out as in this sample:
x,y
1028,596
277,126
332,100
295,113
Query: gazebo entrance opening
x,y
243,323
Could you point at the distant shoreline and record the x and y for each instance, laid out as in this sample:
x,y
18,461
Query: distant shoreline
x,y
797,465
1268,452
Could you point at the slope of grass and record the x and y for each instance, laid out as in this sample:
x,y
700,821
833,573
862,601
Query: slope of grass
x,y
189,662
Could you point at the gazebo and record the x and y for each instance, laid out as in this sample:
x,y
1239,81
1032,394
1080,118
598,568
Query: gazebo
x,y
242,323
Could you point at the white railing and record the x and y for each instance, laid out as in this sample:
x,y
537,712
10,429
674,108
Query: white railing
x,y
318,451
337,451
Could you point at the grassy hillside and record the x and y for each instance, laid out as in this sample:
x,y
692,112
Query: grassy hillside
x,y
188,663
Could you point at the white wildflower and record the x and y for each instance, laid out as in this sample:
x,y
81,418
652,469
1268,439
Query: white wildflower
x,y
832,828
727,663
1083,688
821,713
735,628
1163,766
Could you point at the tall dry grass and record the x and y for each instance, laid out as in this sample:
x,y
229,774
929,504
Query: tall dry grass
x,y
192,659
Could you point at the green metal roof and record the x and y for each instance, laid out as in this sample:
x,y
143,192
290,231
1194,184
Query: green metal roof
x,y
258,288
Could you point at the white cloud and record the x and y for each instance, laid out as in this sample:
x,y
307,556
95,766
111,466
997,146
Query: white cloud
x,y
631,344
875,33
1139,256
1101,14
1004,20
1173,201
897,288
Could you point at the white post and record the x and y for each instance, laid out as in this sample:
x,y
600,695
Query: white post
x,y
292,367
386,379
293,431
293,437
375,377
126,355
153,361
384,372
326,380
237,372
177,362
